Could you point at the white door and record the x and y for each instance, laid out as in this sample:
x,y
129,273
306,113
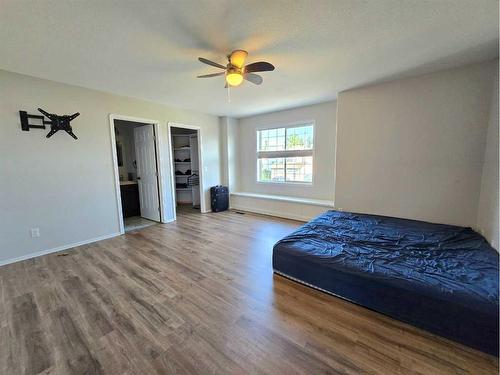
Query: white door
x,y
145,155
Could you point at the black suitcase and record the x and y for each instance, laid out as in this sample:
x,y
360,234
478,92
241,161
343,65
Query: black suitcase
x,y
219,198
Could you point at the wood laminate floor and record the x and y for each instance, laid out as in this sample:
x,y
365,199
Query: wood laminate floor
x,y
198,296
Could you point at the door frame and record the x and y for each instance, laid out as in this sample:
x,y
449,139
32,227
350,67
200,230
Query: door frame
x,y
159,159
171,125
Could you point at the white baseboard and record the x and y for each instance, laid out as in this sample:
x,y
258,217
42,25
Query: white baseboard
x,y
261,211
56,249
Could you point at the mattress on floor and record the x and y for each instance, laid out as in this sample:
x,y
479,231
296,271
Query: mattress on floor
x,y
441,278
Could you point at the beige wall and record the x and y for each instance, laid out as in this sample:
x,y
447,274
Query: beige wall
x,y
487,217
324,116
414,148
66,187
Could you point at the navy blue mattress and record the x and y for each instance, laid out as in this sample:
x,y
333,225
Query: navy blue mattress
x,y
440,278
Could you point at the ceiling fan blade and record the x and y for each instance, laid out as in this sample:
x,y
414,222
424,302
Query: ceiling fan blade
x,y
261,66
205,61
254,78
211,75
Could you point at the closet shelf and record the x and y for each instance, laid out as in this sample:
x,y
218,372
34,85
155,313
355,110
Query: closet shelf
x,y
184,152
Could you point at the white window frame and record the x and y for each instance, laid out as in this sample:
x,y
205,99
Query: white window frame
x,y
286,153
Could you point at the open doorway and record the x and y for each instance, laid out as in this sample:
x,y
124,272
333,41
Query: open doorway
x,y
185,148
136,165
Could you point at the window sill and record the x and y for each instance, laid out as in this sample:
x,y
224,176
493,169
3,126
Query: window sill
x,y
285,198
301,184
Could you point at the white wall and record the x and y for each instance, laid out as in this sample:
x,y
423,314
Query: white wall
x,y
487,218
66,187
324,116
230,154
224,167
233,153
414,147
280,206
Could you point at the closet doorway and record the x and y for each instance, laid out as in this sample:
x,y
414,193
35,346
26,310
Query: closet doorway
x,y
185,151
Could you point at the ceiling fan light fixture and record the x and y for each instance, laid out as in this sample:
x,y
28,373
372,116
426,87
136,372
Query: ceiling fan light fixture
x,y
237,58
236,71
234,78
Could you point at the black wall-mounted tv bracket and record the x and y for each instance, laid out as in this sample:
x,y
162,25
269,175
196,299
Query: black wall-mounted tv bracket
x,y
56,122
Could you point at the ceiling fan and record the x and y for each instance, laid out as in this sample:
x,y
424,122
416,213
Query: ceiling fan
x,y
236,71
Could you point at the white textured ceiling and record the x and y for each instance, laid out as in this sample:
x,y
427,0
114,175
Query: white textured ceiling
x,y
149,49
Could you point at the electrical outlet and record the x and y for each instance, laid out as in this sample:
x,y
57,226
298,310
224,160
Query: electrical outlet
x,y
35,232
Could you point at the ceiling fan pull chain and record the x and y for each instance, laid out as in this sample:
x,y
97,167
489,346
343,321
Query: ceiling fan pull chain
x,y
228,94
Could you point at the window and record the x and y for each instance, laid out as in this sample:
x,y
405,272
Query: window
x,y
285,154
